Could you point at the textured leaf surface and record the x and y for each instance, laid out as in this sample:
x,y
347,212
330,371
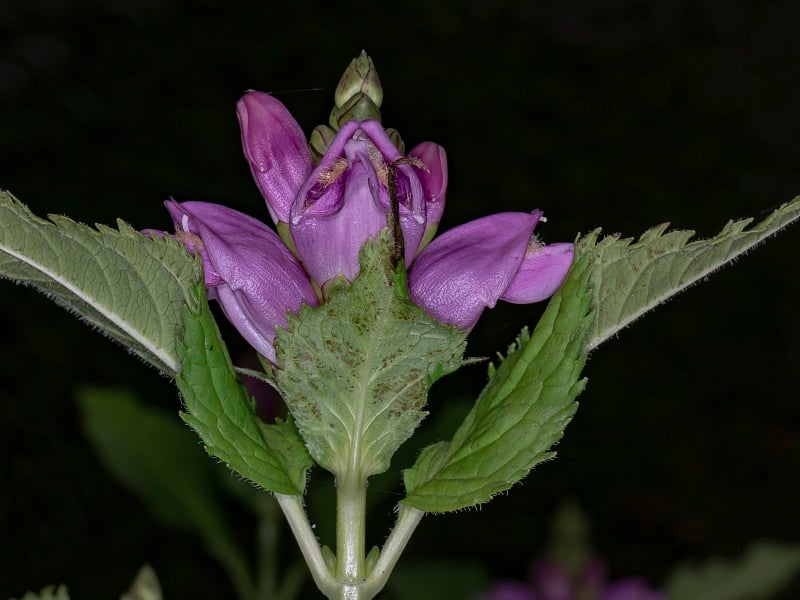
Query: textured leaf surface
x,y
529,398
130,287
763,571
355,372
629,277
520,414
220,411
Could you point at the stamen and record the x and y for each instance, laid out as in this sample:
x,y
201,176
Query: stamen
x,y
328,176
190,239
534,244
381,169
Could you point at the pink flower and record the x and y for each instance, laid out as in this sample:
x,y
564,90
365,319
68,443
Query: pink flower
x,y
326,213
248,270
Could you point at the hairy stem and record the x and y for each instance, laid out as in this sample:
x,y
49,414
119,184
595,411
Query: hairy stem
x,y
407,521
351,493
292,507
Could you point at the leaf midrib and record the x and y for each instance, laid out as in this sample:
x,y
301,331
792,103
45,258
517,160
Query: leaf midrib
x,y
157,350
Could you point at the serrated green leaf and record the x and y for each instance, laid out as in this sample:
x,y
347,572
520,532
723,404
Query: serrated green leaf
x,y
355,372
631,278
51,592
520,414
220,411
763,571
130,287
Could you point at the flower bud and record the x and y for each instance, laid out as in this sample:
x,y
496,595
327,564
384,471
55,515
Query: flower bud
x,y
247,269
276,150
358,108
359,95
360,78
394,135
320,140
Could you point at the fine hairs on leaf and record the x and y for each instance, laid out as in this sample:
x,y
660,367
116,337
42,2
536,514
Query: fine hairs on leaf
x,y
520,414
355,372
223,415
630,278
130,287
529,398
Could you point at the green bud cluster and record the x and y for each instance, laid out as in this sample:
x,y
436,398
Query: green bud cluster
x,y
358,97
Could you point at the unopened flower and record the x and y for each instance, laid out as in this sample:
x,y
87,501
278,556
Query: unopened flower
x,y
248,269
470,267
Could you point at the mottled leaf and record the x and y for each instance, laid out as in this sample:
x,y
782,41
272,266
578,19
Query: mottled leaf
x,y
355,372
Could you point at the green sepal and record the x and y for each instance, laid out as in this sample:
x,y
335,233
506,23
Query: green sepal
x,y
219,409
398,142
372,559
319,141
358,108
519,415
355,371
329,556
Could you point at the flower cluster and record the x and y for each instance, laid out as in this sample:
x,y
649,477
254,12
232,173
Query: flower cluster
x,y
551,581
325,213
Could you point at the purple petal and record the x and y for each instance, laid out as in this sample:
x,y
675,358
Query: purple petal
x,y
329,245
469,267
541,273
275,147
434,181
551,581
345,201
632,588
321,193
254,276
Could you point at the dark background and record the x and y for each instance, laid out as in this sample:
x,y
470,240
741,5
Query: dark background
x,y
620,114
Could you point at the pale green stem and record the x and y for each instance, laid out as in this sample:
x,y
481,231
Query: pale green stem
x,y
351,581
351,497
407,521
292,507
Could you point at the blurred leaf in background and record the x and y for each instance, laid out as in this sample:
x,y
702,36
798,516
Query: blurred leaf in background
x,y
760,573
150,452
